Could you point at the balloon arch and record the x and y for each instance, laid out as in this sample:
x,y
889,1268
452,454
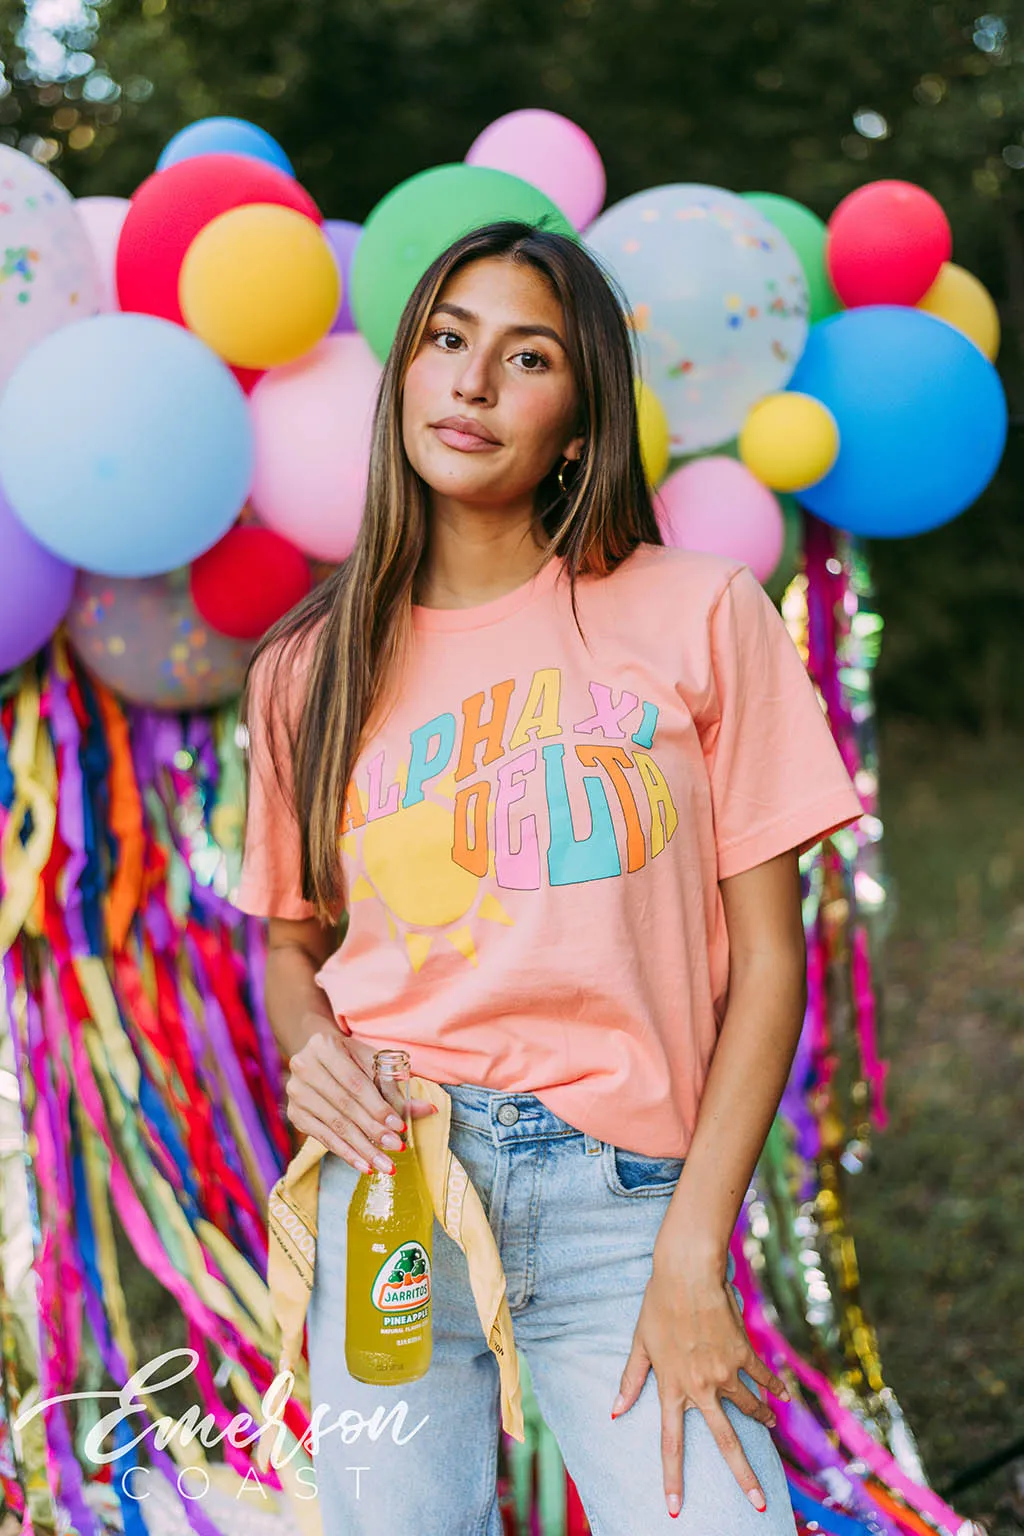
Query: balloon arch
x,y
802,385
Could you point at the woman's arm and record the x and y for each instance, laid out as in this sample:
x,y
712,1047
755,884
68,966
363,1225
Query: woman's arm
x,y
750,1067
296,1007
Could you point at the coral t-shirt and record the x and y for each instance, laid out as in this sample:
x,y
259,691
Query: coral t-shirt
x,y
535,835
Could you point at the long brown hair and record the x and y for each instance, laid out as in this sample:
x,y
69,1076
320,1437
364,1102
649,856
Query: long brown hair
x,y
358,622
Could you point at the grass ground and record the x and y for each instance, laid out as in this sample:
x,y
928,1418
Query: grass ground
x,y
938,1214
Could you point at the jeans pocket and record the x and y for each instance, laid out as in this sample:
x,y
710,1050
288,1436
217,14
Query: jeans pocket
x,y
635,1174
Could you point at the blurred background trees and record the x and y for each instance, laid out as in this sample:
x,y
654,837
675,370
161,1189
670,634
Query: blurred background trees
x,y
805,97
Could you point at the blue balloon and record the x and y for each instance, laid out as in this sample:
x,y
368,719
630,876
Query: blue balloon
x,y
126,445
224,135
922,419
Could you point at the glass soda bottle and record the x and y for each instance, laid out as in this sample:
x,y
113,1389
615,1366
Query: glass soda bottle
x,y
390,1230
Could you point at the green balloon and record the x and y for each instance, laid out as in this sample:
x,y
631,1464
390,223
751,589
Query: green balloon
x,y
420,218
807,235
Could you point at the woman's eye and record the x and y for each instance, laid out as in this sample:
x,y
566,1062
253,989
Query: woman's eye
x,y
438,335
538,357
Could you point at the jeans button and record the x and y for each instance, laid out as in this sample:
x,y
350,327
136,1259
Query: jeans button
x,y
508,1114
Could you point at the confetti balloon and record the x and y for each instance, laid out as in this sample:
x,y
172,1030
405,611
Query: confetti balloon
x,y
807,235
145,641
718,299
48,273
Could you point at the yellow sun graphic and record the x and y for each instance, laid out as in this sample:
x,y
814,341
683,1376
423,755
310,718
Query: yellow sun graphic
x,y
405,862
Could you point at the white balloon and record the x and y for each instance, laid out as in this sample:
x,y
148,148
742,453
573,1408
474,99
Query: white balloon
x,y
718,299
48,273
102,218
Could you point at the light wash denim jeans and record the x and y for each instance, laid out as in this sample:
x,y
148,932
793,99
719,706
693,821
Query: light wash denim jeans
x,y
575,1220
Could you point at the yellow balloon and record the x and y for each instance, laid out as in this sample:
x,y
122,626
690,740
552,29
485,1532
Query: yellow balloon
x,y
654,432
789,441
957,297
259,284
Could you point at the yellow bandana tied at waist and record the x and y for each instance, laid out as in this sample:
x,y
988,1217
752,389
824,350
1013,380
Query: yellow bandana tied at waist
x,y
292,1221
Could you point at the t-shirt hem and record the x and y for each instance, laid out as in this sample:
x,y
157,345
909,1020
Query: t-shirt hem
x,y
800,829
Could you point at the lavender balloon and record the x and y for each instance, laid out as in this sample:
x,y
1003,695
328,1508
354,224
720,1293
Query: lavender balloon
x,y
35,591
343,237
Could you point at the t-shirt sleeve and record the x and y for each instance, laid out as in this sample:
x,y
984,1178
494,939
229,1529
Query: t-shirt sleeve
x,y
777,777
269,883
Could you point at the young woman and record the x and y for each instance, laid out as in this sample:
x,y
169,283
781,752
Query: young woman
x,y
555,777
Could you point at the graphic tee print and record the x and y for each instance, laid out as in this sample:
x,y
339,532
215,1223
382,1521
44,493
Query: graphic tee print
x,y
534,836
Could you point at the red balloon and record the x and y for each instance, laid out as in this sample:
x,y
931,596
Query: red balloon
x,y
886,244
248,378
248,580
172,206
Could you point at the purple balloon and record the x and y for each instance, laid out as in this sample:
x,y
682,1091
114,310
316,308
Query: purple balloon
x,y
343,237
35,591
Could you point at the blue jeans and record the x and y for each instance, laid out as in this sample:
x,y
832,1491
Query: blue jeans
x,y
575,1220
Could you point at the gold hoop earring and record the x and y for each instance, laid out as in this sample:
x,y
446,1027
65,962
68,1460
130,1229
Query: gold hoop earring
x,y
561,475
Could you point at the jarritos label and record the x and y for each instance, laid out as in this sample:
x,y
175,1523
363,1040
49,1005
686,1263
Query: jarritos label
x,y
402,1284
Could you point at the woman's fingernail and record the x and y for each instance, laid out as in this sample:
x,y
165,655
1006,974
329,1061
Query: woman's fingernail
x,y
394,1123
618,1405
675,1504
757,1498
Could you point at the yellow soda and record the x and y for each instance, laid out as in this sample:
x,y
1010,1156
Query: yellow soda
x,y
390,1231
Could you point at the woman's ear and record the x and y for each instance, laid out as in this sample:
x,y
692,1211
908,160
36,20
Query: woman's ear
x,y
574,447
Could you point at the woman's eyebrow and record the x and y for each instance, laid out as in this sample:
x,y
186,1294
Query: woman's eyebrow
x,y
510,330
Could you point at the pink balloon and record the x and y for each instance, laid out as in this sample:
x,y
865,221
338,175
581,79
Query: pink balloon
x,y
103,217
551,153
312,421
886,243
716,505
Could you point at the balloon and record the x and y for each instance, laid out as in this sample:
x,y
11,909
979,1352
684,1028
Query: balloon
x,y
957,297
653,427
718,299
248,580
153,462
259,284
344,237
145,641
224,135
550,152
807,234
35,589
312,423
172,206
715,504
420,218
921,415
886,243
48,274
789,441
102,219
789,560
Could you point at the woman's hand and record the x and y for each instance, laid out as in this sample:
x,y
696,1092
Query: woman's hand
x,y
690,1332
331,1096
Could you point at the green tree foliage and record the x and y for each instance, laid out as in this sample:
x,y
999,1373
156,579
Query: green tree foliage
x,y
806,97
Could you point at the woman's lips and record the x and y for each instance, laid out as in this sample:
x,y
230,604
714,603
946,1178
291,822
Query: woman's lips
x,y
466,442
